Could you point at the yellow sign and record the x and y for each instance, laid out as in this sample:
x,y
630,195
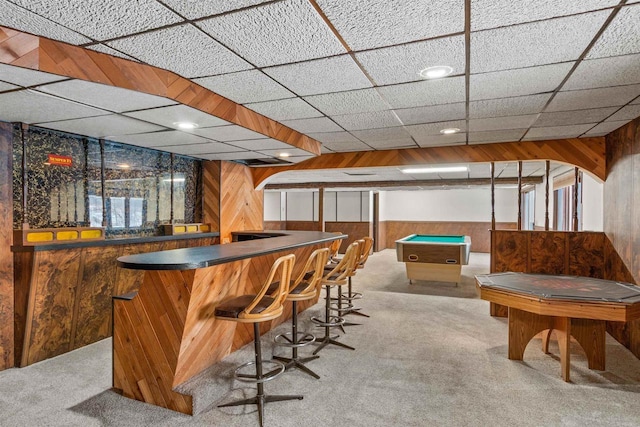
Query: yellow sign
x,y
56,160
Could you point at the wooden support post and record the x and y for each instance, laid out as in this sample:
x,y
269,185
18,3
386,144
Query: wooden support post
x,y
492,167
576,195
321,208
519,194
547,167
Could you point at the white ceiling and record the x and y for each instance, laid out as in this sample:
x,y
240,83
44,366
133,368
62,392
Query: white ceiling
x,y
343,72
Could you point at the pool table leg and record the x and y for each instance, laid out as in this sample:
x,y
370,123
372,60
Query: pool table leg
x,y
562,328
590,334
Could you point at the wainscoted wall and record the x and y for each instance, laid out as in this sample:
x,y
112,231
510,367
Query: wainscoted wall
x,y
241,207
390,231
622,217
354,229
6,258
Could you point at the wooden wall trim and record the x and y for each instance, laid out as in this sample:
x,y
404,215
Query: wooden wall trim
x,y
241,206
42,54
6,239
586,153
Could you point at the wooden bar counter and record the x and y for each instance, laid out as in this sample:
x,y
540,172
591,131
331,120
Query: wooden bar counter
x,y
166,333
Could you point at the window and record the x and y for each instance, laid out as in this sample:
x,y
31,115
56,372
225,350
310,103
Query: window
x,y
528,208
117,208
564,202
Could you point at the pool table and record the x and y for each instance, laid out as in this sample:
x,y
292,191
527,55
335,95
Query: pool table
x,y
434,257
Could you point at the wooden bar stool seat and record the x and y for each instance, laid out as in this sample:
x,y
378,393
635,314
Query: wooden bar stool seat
x,y
262,307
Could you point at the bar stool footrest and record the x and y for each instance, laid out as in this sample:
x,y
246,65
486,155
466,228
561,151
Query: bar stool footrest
x,y
354,295
278,368
333,321
302,339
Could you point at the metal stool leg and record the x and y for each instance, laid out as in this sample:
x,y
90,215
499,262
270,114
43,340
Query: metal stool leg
x,y
327,323
294,361
352,310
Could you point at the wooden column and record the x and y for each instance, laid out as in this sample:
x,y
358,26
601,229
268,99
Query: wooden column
x,y
6,257
547,167
321,208
492,167
576,195
519,194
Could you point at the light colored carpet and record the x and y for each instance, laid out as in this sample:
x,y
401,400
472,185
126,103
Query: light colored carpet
x,y
430,355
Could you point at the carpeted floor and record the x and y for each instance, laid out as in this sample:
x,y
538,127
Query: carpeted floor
x,y
430,355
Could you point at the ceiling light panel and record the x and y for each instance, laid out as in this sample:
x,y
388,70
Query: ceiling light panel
x,y
522,81
603,72
501,123
423,93
194,9
484,137
562,118
557,132
228,133
346,146
605,128
356,101
515,106
433,113
16,17
499,13
206,148
245,86
371,24
275,33
160,139
106,127
317,124
594,98
26,77
628,112
104,19
371,135
426,140
32,107
108,97
285,109
103,48
373,120
261,144
171,115
435,128
175,48
621,36
325,75
400,64
536,43
333,137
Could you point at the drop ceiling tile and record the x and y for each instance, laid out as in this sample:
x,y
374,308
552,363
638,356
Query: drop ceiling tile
x,y
242,155
577,117
194,9
228,133
594,98
621,36
28,106
107,127
275,33
336,74
162,138
376,135
175,48
260,144
433,113
169,116
16,17
535,43
521,105
423,93
373,120
370,24
499,13
557,132
317,124
103,48
401,64
246,86
522,81
290,150
628,112
26,77
434,128
298,159
508,135
104,19
636,101
111,98
603,72
285,109
345,146
501,123
205,148
440,140
333,137
605,128
356,101
325,150
390,144
7,86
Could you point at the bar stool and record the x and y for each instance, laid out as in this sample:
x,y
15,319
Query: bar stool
x,y
350,295
340,304
304,288
256,309
335,277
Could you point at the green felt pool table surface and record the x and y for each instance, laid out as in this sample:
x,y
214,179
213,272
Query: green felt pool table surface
x,y
426,238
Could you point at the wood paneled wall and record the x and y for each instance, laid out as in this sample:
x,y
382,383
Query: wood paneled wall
x,y
211,194
390,231
622,219
63,296
6,258
241,207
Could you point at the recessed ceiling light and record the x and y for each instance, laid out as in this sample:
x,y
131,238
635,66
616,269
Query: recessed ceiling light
x,y
284,155
449,131
442,169
124,166
185,125
437,72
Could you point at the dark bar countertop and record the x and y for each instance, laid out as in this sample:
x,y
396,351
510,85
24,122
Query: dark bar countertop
x,y
258,243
